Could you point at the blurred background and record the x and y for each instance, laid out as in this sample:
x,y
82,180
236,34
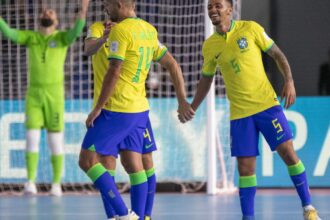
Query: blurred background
x,y
301,28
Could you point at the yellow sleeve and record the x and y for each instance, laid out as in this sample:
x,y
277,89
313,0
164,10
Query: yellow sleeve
x,y
209,65
261,37
119,41
95,30
159,52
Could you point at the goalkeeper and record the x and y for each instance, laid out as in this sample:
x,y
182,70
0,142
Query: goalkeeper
x,y
44,107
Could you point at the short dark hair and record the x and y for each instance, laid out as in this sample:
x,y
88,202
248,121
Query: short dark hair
x,y
230,2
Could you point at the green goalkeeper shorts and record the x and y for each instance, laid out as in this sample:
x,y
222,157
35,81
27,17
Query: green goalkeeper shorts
x,y
44,108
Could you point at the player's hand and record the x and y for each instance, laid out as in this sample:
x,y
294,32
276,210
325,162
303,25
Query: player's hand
x,y
107,28
84,5
289,93
92,116
185,112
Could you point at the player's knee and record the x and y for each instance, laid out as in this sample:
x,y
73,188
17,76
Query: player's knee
x,y
132,166
147,161
109,163
86,161
287,153
246,172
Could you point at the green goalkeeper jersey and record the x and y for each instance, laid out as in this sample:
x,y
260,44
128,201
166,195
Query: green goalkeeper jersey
x,y
46,54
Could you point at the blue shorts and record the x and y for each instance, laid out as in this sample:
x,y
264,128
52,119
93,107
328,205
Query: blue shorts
x,y
114,132
244,132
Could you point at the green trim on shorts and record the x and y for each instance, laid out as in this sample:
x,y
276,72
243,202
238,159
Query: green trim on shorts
x,y
150,172
92,148
96,171
296,169
247,181
138,178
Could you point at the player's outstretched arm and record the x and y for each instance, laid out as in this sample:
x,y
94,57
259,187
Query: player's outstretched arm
x,y
7,31
109,83
289,91
76,31
93,44
84,8
185,111
203,88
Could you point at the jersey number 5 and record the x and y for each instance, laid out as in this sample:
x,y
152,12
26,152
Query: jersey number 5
x,y
277,125
235,66
143,52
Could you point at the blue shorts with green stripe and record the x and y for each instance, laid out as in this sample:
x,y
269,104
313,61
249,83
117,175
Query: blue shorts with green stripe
x,y
114,132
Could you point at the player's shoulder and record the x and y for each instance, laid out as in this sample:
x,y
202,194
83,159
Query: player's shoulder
x,y
248,24
130,25
97,24
209,42
29,32
148,25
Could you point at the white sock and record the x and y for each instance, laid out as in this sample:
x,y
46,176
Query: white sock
x,y
308,207
55,142
33,140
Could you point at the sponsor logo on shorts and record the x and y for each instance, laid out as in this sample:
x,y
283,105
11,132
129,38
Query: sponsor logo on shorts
x,y
280,137
148,146
111,194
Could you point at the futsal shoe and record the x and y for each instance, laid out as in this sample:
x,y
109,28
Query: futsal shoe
x,y
56,190
147,218
30,188
311,214
131,216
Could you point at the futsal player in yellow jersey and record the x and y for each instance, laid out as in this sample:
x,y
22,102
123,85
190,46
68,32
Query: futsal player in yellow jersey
x,y
96,46
119,122
236,48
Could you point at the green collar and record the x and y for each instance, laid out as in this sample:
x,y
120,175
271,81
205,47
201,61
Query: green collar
x,y
232,25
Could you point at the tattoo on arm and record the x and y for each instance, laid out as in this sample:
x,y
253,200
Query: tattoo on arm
x,y
281,61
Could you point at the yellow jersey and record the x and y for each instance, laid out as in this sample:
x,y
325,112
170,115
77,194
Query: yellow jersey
x,y
238,56
135,42
100,62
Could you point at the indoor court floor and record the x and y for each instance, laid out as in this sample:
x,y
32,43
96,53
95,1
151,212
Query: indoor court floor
x,y
270,205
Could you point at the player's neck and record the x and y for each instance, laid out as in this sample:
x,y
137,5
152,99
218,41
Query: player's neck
x,y
47,31
224,27
128,14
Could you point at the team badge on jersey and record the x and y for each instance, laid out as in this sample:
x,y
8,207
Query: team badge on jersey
x,y
242,43
52,44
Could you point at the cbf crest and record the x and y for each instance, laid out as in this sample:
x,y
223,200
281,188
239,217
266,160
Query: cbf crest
x,y
242,43
52,44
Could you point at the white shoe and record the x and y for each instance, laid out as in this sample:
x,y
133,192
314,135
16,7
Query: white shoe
x,y
310,213
131,216
56,190
30,188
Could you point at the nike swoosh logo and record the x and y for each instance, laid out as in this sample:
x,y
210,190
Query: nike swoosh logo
x,y
280,137
217,56
148,146
299,184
